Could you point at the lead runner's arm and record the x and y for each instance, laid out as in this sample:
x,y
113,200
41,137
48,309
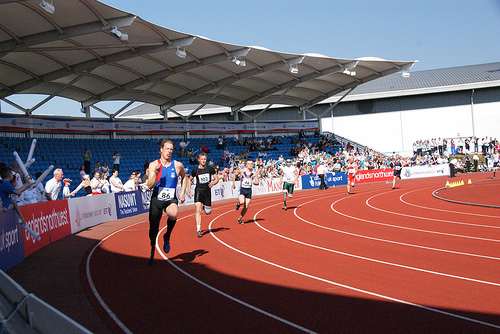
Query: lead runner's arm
x,y
154,168
183,175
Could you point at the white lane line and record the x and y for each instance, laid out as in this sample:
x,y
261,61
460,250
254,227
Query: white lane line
x,y
340,284
373,260
408,228
389,241
423,218
448,211
94,289
275,317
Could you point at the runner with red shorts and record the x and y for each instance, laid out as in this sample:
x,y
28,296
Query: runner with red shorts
x,y
352,169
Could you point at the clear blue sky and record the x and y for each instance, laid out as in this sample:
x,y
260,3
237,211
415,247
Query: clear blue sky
x,y
438,34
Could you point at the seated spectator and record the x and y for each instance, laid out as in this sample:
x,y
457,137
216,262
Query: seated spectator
x,y
131,184
115,183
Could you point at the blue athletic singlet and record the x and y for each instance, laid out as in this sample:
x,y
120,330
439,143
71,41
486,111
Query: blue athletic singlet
x,y
246,180
166,182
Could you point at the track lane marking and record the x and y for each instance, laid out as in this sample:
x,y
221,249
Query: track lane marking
x,y
340,284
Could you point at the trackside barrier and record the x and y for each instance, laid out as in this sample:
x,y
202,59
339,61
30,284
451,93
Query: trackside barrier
x,y
88,211
331,180
11,240
56,219
424,171
50,220
374,175
21,312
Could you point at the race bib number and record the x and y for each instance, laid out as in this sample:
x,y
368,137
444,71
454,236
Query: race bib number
x,y
351,170
166,194
288,179
246,183
204,178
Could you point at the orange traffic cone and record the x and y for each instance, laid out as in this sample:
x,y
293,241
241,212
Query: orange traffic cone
x,y
447,186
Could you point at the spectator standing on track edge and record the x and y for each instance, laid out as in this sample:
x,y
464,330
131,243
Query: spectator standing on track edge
x,y
202,192
163,178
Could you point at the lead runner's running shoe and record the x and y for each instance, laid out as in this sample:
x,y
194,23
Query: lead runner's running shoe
x,y
152,256
166,246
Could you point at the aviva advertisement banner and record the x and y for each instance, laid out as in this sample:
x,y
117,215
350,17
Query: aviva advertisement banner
x,y
89,211
424,171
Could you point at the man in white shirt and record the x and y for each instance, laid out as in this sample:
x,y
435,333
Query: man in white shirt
x,y
96,184
115,183
321,173
53,186
131,184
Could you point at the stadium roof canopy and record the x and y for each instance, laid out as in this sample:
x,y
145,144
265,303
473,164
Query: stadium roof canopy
x,y
89,52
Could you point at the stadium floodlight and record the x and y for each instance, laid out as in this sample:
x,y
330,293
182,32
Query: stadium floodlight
x,y
349,72
181,52
239,61
122,36
47,6
294,68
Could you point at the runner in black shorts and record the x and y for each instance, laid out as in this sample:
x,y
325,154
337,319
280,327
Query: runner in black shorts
x,y
248,177
163,177
202,192
396,164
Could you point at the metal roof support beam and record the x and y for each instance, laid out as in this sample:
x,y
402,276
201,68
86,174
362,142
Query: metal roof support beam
x,y
229,80
94,63
336,103
54,35
15,105
101,111
263,111
135,99
164,112
30,111
244,113
164,74
292,83
205,103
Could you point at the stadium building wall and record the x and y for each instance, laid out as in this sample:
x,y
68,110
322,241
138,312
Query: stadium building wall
x,y
403,120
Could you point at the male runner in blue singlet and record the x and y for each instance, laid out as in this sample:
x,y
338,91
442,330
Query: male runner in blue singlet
x,y
163,177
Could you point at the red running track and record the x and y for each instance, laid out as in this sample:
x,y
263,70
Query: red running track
x,y
378,260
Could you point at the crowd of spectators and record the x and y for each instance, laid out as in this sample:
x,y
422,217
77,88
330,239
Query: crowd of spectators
x,y
307,155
